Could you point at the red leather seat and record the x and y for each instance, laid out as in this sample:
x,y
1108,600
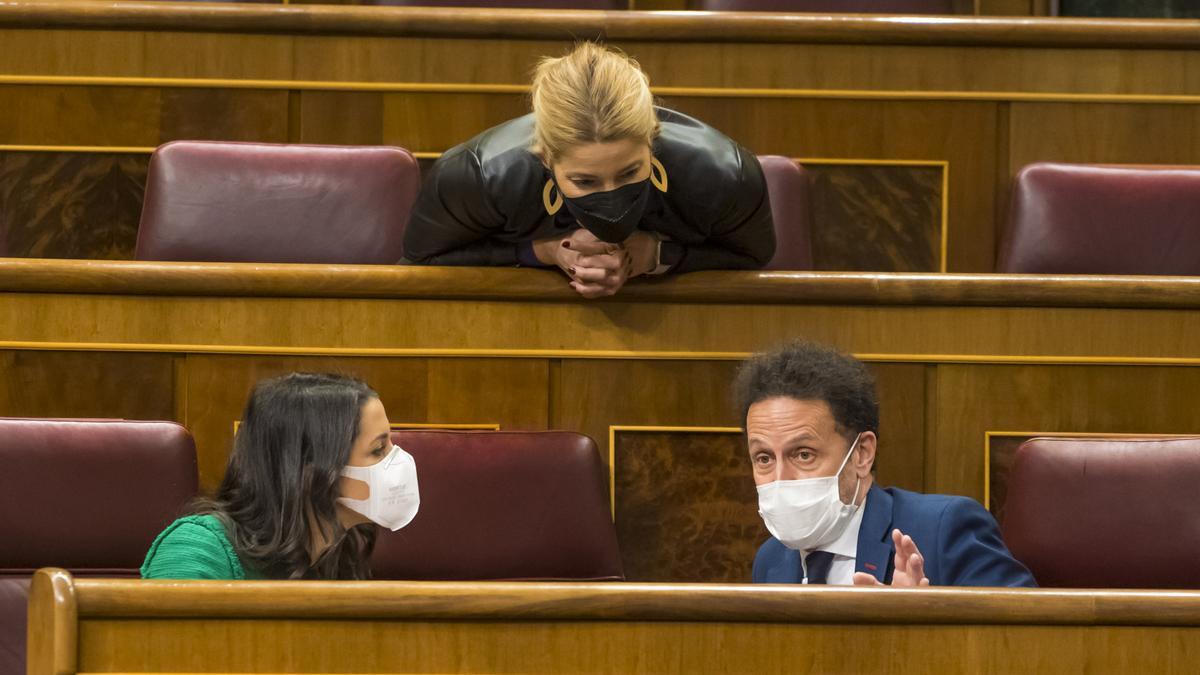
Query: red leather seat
x,y
504,505
1105,513
1093,219
259,202
791,209
838,6
87,495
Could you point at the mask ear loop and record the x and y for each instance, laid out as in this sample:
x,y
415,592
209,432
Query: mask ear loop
x,y
857,481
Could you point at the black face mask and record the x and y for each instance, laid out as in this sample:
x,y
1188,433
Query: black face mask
x,y
613,215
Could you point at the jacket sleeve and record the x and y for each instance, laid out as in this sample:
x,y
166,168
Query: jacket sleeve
x,y
454,216
971,551
743,237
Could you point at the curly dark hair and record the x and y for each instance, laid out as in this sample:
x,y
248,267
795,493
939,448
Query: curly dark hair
x,y
808,371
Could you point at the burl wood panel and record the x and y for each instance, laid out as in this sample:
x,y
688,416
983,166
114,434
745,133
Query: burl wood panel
x,y
87,384
876,218
71,204
508,392
686,507
1001,451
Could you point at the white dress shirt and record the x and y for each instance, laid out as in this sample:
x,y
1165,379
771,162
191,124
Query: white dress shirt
x,y
845,551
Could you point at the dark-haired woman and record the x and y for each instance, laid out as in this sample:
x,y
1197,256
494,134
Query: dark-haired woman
x,y
313,470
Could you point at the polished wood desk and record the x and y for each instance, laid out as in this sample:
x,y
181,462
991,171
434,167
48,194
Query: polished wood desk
x,y
967,367
911,126
87,625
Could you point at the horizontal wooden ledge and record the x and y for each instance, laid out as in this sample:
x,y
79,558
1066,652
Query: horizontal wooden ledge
x,y
617,601
566,25
266,280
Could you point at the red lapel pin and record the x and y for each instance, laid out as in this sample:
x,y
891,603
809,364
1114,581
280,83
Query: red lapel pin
x,y
870,566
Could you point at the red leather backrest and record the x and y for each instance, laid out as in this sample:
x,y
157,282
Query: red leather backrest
x,y
791,209
504,505
838,6
260,202
1106,513
1091,219
89,495
14,597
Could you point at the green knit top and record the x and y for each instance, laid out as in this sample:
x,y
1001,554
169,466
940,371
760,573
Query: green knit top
x,y
195,547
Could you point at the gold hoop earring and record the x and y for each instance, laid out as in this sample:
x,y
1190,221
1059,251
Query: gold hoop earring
x,y
551,207
659,181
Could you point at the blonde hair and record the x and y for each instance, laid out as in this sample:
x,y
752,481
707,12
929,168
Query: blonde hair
x,y
593,94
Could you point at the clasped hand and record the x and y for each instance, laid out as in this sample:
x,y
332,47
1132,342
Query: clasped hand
x,y
598,269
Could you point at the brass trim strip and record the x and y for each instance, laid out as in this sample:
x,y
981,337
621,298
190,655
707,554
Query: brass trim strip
x,y
498,88
612,450
602,354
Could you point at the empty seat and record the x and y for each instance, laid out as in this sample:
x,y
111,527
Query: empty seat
x,y
791,210
835,6
1105,513
503,505
1094,219
87,495
259,202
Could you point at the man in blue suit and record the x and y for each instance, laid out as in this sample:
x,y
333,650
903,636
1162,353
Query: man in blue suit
x,y
812,423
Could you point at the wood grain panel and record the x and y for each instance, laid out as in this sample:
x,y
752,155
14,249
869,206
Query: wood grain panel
x,y
511,393
30,51
972,400
64,115
686,507
437,122
1109,133
900,456
224,114
87,384
250,57
598,394
961,133
878,218
620,647
339,118
71,205
405,59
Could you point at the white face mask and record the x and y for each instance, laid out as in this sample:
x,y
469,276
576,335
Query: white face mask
x,y
807,514
394,497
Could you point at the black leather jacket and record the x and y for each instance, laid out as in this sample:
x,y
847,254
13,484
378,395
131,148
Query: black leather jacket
x,y
483,198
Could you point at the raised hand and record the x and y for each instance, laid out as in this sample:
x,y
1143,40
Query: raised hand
x,y
909,565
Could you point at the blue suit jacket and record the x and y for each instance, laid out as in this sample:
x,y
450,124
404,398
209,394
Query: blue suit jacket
x,y
958,538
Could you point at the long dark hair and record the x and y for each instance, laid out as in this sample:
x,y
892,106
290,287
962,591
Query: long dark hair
x,y
282,480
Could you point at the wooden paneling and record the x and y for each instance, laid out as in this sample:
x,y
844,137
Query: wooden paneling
x,y
686,507
228,115
985,96
511,393
71,204
92,116
879,218
972,400
363,627
882,130
1111,133
338,118
190,55
598,394
87,384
